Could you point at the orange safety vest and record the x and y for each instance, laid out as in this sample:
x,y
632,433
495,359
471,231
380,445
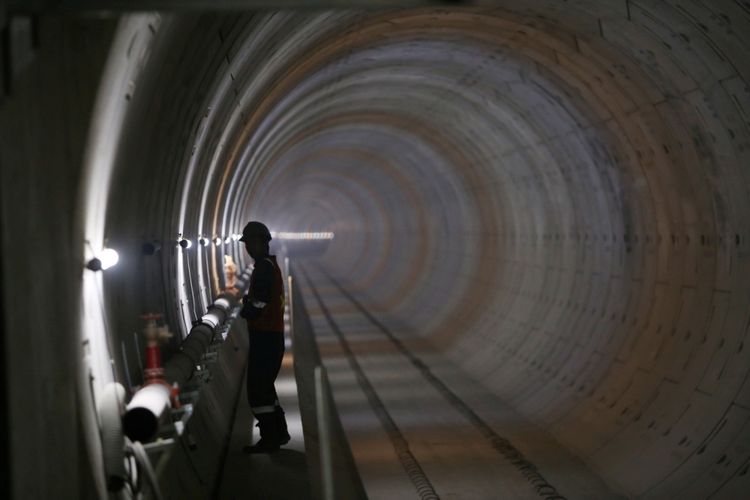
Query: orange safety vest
x,y
271,318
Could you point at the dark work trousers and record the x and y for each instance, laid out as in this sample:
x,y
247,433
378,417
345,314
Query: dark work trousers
x,y
263,364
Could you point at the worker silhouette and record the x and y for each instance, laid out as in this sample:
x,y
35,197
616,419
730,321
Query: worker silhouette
x,y
263,308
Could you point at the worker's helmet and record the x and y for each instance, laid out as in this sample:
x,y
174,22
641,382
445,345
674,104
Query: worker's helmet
x,y
255,229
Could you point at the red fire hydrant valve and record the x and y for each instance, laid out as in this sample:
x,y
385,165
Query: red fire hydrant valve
x,y
154,335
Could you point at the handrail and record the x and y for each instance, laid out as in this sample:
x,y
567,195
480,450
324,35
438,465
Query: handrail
x,y
322,394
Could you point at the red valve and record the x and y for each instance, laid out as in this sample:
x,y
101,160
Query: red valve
x,y
154,372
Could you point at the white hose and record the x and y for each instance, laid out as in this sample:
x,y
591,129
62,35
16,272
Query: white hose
x,y
142,457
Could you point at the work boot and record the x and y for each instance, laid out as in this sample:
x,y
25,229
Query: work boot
x,y
269,436
281,428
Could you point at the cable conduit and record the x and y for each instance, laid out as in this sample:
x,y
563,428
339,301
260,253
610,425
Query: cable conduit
x,y
146,409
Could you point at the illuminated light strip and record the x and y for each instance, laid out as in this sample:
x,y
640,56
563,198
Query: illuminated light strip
x,y
301,236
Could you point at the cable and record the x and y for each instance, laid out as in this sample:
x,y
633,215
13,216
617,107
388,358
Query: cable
x,y
193,302
145,463
131,465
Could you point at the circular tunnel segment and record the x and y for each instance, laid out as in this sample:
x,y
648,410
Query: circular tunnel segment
x,y
552,196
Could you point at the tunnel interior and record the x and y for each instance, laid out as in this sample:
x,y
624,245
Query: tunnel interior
x,y
550,195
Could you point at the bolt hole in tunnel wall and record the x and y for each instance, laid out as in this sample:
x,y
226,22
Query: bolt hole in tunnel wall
x,y
554,194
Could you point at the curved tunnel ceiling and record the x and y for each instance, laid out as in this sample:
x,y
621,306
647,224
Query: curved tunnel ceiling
x,y
554,195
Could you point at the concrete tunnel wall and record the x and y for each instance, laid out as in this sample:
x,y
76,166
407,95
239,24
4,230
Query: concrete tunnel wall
x,y
552,193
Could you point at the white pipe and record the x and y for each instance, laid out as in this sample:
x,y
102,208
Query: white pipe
x,y
223,303
113,440
148,404
146,410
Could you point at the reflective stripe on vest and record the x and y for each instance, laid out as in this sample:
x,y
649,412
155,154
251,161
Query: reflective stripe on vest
x,y
271,317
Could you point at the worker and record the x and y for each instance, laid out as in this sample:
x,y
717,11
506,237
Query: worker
x,y
263,308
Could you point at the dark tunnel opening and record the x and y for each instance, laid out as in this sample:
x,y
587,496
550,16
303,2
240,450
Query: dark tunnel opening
x,y
551,196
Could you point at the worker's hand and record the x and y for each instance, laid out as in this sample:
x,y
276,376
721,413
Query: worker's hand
x,y
249,312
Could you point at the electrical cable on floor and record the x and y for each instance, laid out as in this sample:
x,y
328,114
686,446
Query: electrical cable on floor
x,y
131,466
145,463
193,302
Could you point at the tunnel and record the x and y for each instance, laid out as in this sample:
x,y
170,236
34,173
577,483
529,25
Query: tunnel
x,y
513,232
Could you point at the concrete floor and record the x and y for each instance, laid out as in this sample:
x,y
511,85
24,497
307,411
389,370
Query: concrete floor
x,y
277,476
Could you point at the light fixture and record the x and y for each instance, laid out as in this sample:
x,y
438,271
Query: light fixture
x,y
203,241
304,236
227,240
185,243
108,258
217,241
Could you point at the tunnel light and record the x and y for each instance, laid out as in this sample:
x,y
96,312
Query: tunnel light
x,y
108,258
218,241
303,236
228,240
185,243
203,241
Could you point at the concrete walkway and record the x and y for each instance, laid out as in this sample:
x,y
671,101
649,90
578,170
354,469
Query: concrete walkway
x,y
277,476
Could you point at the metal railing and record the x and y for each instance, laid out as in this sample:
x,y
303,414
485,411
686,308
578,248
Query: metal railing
x,y
323,412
